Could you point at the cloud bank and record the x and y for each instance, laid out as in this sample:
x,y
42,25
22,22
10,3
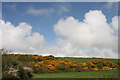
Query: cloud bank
x,y
92,37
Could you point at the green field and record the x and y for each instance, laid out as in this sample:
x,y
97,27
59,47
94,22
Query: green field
x,y
90,74
79,60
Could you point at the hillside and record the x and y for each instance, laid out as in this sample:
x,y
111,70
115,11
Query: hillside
x,y
50,65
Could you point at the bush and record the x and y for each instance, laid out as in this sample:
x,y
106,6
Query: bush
x,y
51,56
79,68
28,71
100,65
60,66
38,70
95,69
22,73
47,71
5,76
12,68
9,67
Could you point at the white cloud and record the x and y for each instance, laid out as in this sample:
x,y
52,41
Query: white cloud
x,y
92,32
62,8
20,38
115,23
40,11
58,9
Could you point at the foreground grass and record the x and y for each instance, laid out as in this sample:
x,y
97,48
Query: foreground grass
x,y
90,74
79,60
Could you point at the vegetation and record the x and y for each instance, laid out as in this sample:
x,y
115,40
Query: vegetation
x,y
86,74
79,60
24,66
12,68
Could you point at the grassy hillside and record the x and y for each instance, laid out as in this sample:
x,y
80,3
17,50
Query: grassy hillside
x,y
87,74
79,60
58,67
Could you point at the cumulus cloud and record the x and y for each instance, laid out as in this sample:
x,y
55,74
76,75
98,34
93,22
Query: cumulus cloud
x,y
20,38
92,33
115,23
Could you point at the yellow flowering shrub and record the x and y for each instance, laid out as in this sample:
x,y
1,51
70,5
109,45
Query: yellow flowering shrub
x,y
105,68
90,64
85,68
84,64
36,65
51,68
95,69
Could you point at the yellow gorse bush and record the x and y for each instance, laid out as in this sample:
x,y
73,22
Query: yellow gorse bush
x,y
84,64
105,68
95,69
85,68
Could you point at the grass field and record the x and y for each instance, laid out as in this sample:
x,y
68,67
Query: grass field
x,y
90,74
79,60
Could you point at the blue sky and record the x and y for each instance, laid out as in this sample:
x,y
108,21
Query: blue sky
x,y
51,13
0,10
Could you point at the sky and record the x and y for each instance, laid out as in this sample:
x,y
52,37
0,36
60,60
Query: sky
x,y
61,28
0,9
18,13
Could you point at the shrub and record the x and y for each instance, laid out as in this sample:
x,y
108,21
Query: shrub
x,y
38,70
29,71
91,65
14,63
9,68
5,75
99,65
12,69
79,68
52,68
85,68
60,66
46,70
40,58
105,68
95,69
84,64
22,73
51,56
